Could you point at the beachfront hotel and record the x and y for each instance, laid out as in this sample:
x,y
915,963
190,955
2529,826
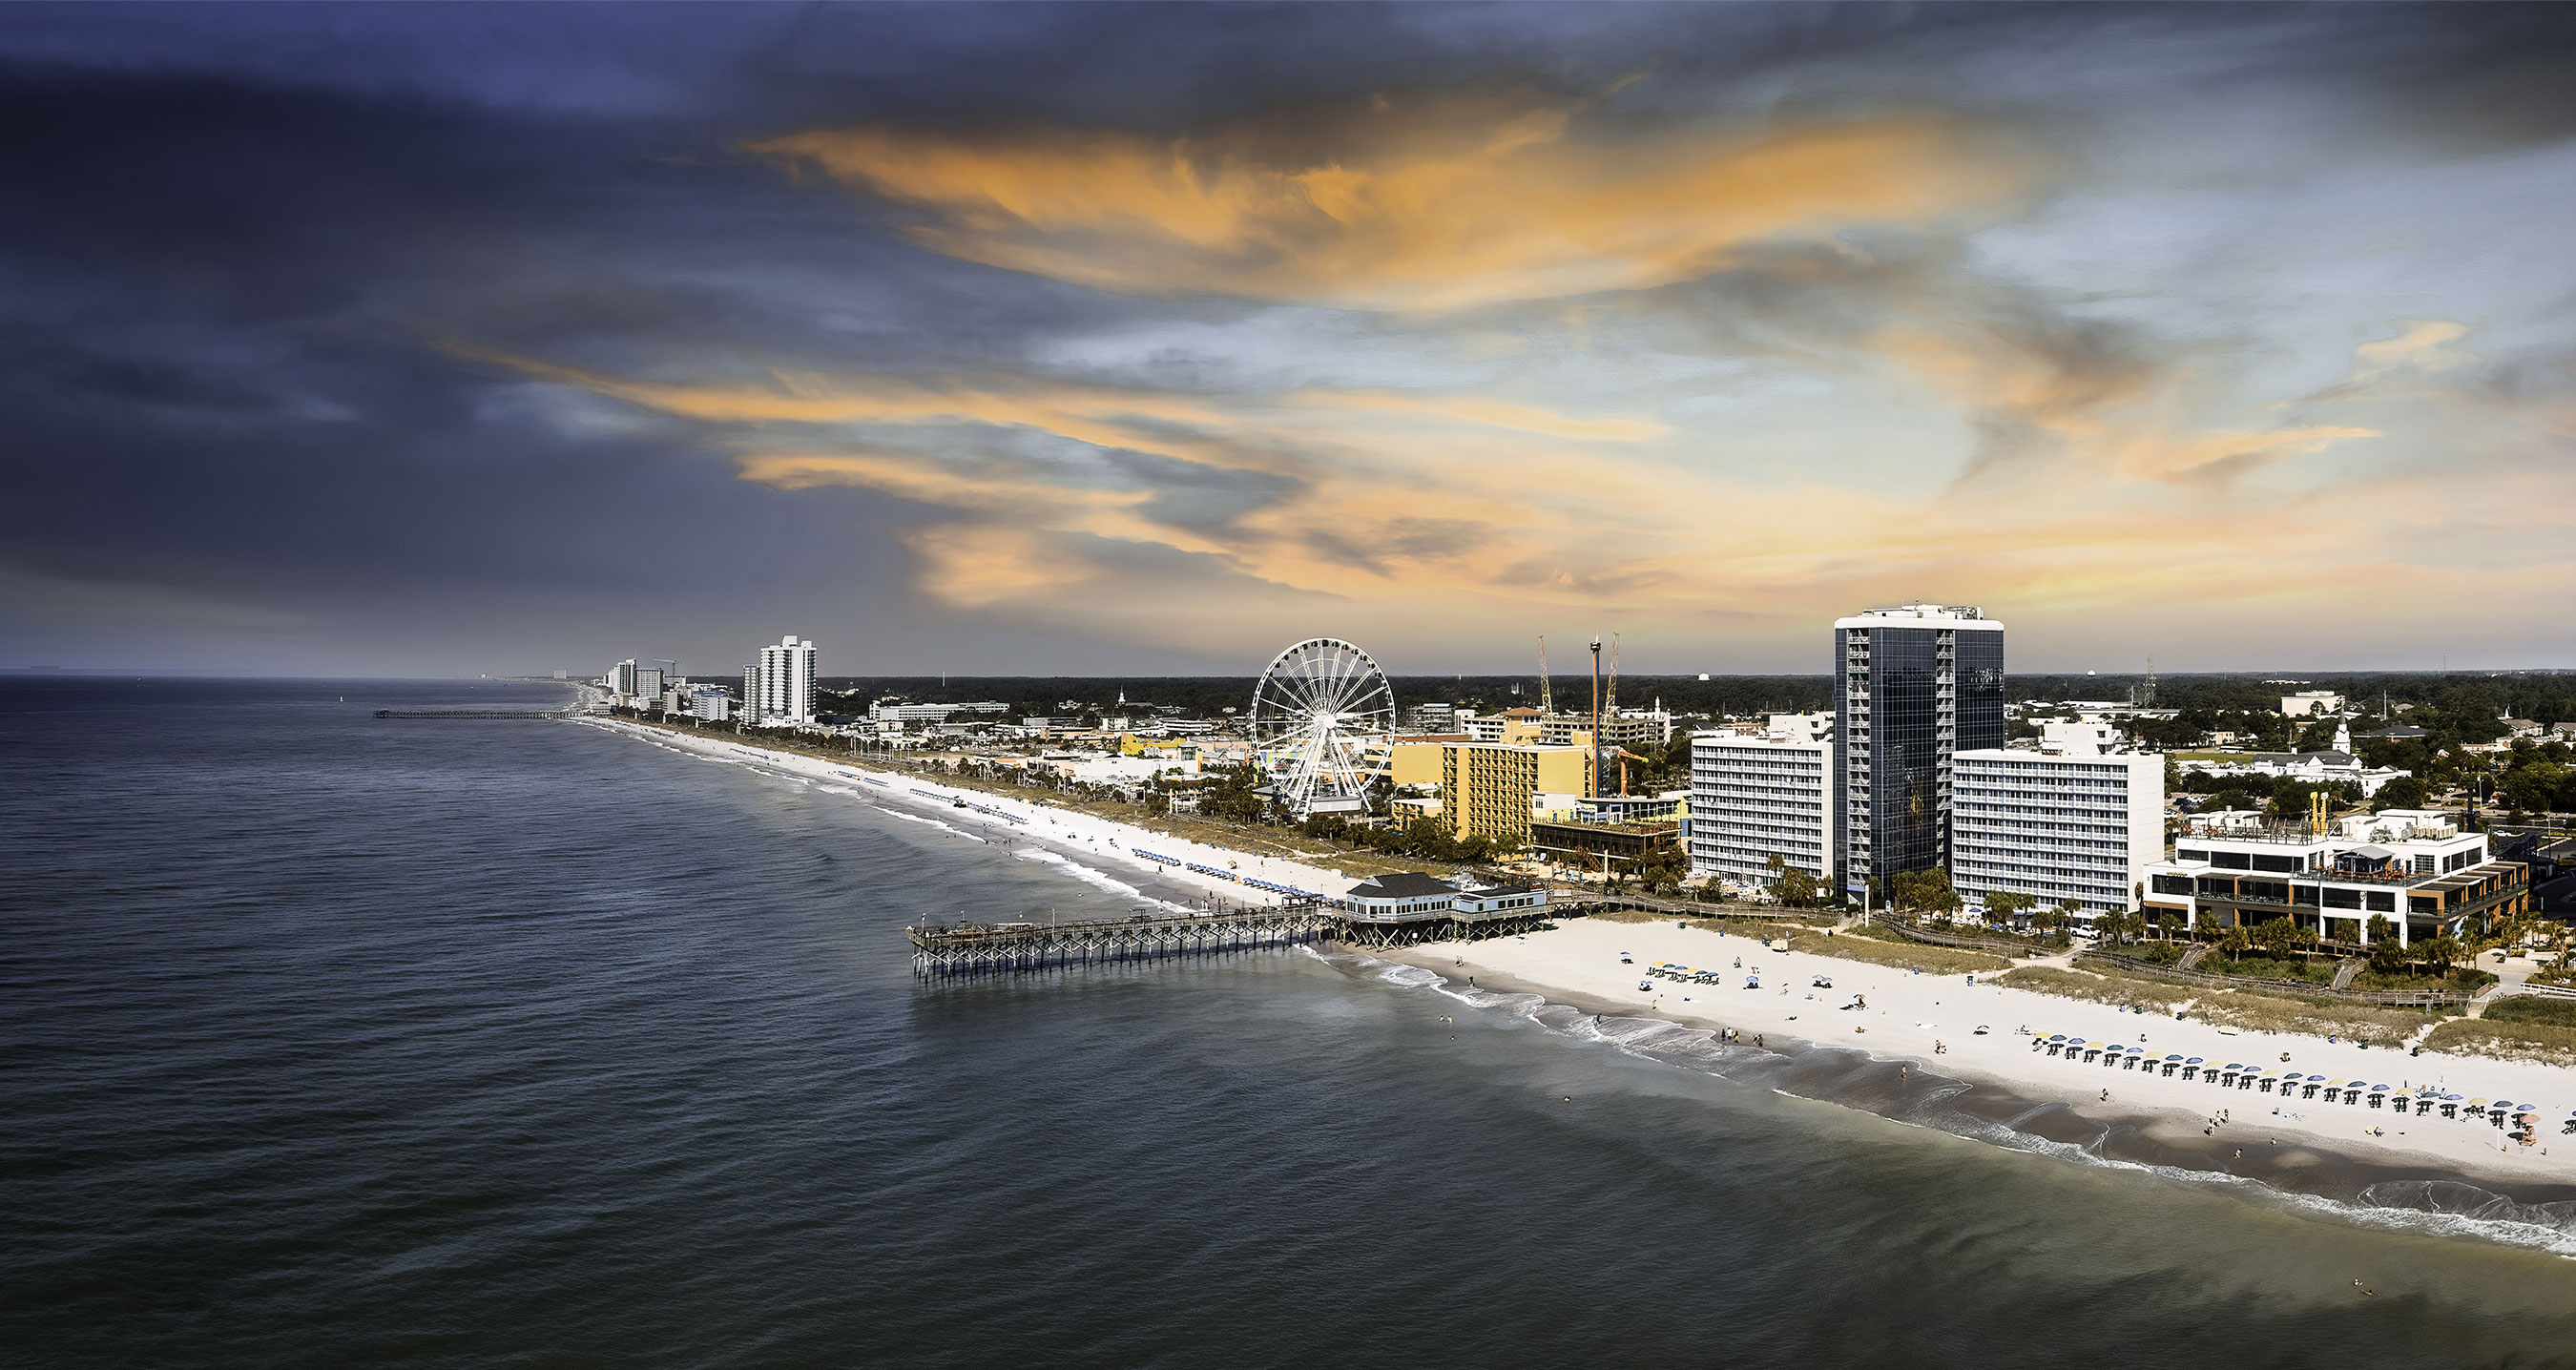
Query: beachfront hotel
x,y
1753,798
2076,819
1488,789
1913,687
781,688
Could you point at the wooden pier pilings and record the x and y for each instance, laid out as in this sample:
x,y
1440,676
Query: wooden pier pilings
x,y
984,948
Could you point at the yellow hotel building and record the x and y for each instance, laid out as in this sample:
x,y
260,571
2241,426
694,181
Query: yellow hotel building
x,y
1486,787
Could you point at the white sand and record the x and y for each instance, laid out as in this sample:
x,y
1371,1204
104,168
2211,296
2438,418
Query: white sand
x,y
1908,1013
1098,843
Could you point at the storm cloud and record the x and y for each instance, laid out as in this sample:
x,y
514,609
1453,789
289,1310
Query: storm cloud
x,y
1036,339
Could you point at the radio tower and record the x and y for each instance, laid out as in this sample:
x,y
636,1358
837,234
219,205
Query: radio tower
x,y
2150,701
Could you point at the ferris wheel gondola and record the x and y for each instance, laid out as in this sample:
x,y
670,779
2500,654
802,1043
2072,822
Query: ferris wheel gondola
x,y
1321,717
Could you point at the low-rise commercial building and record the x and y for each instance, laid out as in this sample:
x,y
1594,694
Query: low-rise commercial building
x,y
1584,843
2411,867
1403,897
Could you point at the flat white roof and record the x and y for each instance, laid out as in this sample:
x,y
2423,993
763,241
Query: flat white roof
x,y
1922,616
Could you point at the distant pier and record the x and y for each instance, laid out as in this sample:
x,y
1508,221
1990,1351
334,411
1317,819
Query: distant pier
x,y
986,948
473,713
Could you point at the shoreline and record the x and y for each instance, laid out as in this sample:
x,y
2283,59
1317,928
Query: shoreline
x,y
1103,847
2318,1149
2148,1119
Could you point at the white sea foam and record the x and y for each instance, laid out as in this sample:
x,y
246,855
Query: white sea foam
x,y
935,823
1094,878
2440,1208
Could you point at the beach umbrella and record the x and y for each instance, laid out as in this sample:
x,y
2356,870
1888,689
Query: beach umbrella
x,y
2191,1060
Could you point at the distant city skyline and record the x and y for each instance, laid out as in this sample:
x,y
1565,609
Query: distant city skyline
x,y
997,341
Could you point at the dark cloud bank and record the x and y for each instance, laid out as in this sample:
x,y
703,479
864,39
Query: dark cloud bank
x,y
250,254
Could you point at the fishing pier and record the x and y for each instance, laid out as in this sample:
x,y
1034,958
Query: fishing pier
x,y
985,948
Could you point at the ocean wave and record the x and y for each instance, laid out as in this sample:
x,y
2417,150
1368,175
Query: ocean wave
x,y
935,823
1098,880
2449,1208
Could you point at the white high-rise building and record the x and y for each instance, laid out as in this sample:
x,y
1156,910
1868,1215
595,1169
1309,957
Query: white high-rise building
x,y
620,679
2073,819
1755,797
784,683
648,682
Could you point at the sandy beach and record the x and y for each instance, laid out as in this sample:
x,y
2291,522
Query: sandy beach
x,y
1909,1014
1103,852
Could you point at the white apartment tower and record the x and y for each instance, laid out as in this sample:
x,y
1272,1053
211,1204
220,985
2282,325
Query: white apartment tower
x,y
2074,819
783,684
1752,798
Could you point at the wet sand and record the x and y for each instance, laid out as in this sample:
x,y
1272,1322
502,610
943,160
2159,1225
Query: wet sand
x,y
1827,1054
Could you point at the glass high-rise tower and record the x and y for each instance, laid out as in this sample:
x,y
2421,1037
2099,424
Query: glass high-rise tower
x,y
1913,687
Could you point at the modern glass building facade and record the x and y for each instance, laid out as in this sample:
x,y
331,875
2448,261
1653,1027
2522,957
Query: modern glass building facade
x,y
1913,687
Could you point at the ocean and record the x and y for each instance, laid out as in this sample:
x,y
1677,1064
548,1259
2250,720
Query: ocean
x,y
334,1041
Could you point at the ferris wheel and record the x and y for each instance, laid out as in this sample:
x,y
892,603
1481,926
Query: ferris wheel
x,y
1320,719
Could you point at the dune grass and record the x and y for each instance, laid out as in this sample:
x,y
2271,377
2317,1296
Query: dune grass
x,y
2369,1024
2533,1010
2512,1041
2145,995
2376,1026
1845,947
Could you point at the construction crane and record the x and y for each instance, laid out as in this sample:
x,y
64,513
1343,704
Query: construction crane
x,y
1546,698
1624,756
1596,719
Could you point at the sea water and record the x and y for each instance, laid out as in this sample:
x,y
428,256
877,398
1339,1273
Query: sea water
x,y
333,1041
